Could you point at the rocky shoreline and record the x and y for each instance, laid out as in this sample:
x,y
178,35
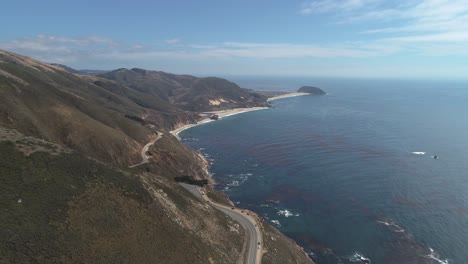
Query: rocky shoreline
x,y
205,164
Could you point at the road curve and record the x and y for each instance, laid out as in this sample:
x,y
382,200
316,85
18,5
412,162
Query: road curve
x,y
145,149
255,245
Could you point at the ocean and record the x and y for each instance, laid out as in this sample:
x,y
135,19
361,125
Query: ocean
x,y
352,173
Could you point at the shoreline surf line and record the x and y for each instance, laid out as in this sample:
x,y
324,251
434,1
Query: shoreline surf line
x,y
230,112
221,114
286,96
226,113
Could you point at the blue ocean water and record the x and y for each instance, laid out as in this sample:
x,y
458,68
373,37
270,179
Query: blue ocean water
x,y
338,173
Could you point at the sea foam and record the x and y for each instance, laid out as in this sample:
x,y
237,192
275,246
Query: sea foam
x,y
357,257
286,213
433,255
392,226
276,222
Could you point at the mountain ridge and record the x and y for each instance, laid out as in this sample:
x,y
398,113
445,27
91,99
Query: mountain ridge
x,y
188,93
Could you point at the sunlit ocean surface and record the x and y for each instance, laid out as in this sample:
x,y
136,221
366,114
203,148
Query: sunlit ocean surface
x,y
351,174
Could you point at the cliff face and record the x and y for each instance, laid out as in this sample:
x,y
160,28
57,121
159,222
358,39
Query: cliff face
x,y
66,191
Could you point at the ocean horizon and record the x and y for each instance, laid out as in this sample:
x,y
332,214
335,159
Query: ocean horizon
x,y
373,169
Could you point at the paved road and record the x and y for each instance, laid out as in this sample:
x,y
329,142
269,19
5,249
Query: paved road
x,y
254,254
145,149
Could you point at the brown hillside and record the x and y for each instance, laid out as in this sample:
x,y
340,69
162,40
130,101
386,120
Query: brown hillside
x,y
187,92
67,194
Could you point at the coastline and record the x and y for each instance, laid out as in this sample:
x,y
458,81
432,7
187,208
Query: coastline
x,y
221,114
229,112
252,216
286,96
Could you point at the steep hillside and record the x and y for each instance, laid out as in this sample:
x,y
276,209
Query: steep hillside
x,y
187,92
97,117
60,207
66,190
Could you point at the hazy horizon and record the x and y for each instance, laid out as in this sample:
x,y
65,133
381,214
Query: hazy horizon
x,y
322,38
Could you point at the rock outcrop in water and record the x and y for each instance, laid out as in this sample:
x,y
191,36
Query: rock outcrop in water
x,y
311,89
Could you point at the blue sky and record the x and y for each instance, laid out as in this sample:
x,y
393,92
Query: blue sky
x,y
322,38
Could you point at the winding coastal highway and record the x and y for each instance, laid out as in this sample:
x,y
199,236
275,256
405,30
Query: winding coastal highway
x,y
255,245
145,149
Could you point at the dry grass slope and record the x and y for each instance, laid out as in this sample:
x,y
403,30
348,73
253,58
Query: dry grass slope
x,y
69,209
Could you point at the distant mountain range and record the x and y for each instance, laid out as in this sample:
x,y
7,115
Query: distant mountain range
x,y
67,139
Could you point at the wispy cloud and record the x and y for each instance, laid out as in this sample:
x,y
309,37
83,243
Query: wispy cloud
x,y
173,41
42,42
413,16
326,6
63,49
58,48
85,51
423,27
424,16
284,50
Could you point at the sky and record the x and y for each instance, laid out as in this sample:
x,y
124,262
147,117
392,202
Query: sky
x,y
416,39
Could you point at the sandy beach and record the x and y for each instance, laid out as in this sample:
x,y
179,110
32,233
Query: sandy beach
x,y
221,114
230,112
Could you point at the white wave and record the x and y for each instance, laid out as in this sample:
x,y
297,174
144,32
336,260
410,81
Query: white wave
x,y
418,153
286,213
383,222
237,180
357,257
394,227
433,255
276,222
234,183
